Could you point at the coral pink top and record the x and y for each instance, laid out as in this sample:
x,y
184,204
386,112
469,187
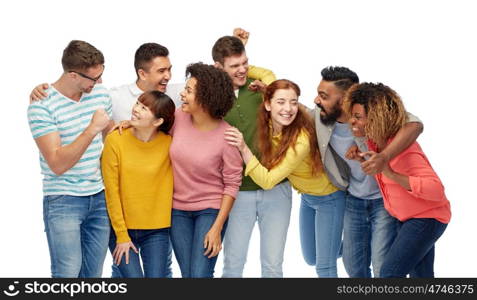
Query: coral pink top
x,y
426,199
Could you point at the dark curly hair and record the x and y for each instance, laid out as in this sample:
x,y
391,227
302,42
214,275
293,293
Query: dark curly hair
x,y
161,106
214,89
342,77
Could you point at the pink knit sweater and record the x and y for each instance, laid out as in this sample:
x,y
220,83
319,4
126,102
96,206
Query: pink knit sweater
x,y
205,167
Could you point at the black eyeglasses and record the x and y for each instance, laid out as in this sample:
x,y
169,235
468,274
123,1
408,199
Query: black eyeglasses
x,y
90,78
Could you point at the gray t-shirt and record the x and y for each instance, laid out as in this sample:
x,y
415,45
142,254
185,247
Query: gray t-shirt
x,y
360,185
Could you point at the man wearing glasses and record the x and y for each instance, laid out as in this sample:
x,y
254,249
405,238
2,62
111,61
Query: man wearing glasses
x,y
153,71
67,128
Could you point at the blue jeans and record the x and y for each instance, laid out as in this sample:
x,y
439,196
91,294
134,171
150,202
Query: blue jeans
x,y
271,209
368,233
321,227
413,249
153,246
77,229
187,235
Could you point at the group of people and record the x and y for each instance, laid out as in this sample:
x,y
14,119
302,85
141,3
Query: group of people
x,y
195,166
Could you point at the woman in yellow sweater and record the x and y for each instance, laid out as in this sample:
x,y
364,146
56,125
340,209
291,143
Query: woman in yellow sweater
x,y
137,175
288,149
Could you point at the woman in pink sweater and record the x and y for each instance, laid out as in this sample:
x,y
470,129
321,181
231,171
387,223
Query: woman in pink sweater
x,y
412,191
207,171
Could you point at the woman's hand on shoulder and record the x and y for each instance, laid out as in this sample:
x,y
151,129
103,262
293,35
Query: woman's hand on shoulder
x,y
234,137
125,124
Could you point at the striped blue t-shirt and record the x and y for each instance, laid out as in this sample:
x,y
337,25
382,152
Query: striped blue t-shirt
x,y
58,113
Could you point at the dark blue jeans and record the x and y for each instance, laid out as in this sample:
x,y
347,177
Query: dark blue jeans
x,y
412,251
154,251
187,235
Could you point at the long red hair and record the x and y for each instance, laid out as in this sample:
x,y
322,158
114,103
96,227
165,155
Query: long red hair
x,y
269,157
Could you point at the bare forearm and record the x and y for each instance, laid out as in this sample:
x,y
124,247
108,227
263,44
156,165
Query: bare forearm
x,y
225,207
403,139
246,153
65,157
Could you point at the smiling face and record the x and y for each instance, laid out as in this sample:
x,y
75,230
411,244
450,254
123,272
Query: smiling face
x,y
142,117
283,108
329,99
236,66
188,97
157,76
358,120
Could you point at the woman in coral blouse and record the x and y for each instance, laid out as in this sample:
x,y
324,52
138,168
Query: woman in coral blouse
x,y
412,191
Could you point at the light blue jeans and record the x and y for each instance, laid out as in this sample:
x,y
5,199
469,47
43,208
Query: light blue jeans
x,y
271,209
368,233
321,227
77,229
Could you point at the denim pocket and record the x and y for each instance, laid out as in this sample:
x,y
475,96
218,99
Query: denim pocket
x,y
47,200
53,198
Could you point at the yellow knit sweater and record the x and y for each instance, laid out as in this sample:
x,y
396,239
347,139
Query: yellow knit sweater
x,y
138,182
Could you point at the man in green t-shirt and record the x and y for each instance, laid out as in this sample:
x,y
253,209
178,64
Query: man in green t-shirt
x,y
270,208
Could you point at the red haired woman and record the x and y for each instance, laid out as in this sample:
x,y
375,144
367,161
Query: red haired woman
x,y
287,146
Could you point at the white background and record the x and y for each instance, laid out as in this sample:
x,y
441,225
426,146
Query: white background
x,y
425,50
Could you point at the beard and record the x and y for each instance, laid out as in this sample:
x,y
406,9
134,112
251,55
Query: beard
x,y
329,118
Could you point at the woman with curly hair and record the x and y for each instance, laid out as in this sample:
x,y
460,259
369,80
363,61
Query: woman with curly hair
x,y
207,171
412,191
287,146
